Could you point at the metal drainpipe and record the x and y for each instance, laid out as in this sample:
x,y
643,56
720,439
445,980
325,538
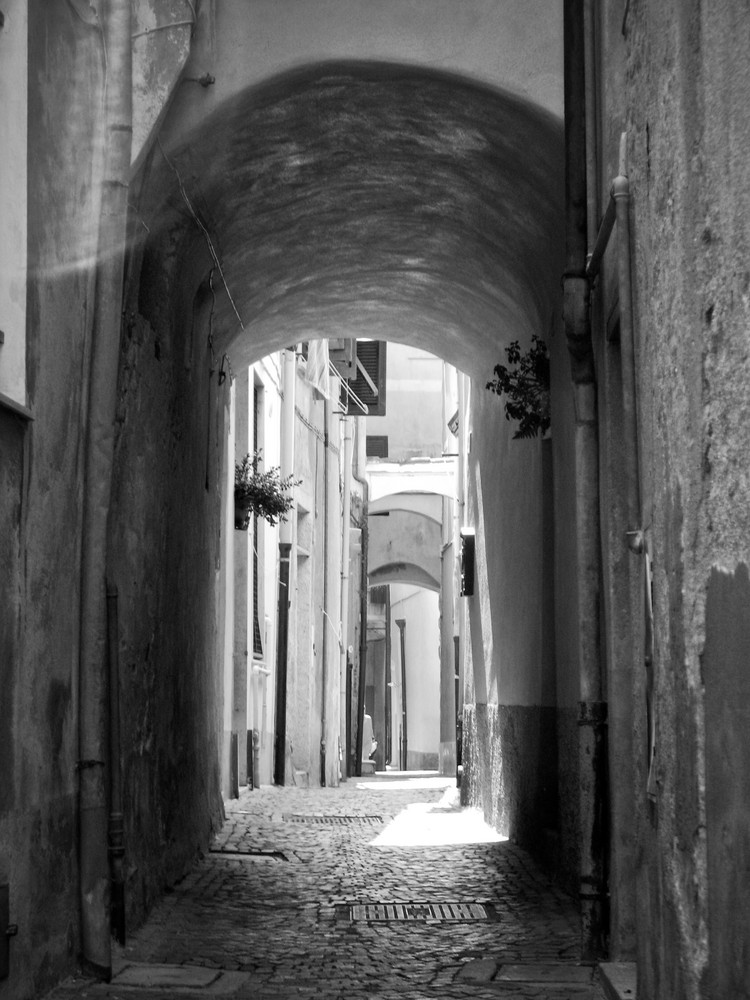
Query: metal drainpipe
x,y
116,819
592,186
108,294
401,622
286,536
361,690
324,641
621,196
592,710
345,544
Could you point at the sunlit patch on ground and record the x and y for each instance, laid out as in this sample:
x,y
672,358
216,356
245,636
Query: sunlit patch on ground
x,y
424,824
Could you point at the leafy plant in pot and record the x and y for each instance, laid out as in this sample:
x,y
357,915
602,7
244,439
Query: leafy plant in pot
x,y
260,491
526,387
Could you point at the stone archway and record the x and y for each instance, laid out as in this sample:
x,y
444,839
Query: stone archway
x,y
338,200
366,200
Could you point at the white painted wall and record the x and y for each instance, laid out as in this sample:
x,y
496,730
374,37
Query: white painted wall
x,y
414,411
419,608
13,171
515,45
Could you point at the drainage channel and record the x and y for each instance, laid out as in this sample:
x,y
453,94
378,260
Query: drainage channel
x,y
421,912
329,819
230,852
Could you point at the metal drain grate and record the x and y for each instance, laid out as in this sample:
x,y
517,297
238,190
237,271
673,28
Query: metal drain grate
x,y
226,852
380,912
330,820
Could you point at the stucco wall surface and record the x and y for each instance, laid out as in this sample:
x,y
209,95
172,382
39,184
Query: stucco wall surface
x,y
689,137
419,609
166,540
413,421
304,691
515,45
512,630
41,509
405,547
510,766
510,719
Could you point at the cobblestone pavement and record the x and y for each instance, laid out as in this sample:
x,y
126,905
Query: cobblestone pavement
x,y
268,913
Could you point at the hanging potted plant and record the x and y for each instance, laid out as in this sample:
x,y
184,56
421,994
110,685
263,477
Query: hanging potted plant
x,y
526,387
260,491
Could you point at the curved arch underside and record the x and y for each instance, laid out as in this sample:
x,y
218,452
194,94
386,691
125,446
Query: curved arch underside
x,y
402,572
372,201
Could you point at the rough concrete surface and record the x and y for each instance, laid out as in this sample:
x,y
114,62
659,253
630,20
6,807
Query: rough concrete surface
x,y
688,148
274,923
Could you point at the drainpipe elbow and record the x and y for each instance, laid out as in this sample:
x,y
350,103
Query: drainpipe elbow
x,y
620,187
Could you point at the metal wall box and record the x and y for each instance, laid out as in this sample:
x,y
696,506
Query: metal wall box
x,y
467,561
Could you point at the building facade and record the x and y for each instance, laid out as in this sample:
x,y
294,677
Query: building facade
x,y
190,191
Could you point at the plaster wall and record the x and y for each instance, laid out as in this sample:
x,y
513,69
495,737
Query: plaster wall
x,y
404,542
566,618
266,378
40,486
304,690
13,167
170,532
689,146
510,733
448,665
414,418
622,595
419,609
242,630
512,45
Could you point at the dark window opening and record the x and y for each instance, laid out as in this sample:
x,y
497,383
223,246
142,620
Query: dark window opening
x,y
376,446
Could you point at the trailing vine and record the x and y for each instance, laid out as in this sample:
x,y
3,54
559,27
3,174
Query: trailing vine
x,y
526,387
261,491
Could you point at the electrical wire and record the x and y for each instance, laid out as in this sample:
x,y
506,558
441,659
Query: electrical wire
x,y
206,235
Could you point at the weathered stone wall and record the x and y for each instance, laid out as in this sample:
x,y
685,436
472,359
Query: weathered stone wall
x,y
165,560
511,752
689,145
166,530
40,509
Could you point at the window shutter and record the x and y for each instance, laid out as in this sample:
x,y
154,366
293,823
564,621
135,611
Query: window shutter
x,y
371,357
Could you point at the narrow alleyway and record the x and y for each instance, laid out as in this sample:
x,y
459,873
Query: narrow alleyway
x,y
342,893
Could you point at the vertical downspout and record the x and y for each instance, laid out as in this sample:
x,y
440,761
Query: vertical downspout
x,y
388,713
401,622
592,170
361,690
108,293
576,315
286,535
324,642
621,195
345,544
116,819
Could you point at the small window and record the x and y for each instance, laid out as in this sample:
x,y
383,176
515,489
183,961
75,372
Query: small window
x,y
376,446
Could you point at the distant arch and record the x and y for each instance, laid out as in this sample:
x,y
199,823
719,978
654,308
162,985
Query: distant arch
x,y
403,572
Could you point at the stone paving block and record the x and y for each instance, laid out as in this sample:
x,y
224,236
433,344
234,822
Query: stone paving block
x,y
479,971
276,925
619,980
